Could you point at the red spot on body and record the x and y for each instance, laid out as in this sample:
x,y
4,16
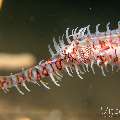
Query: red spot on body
x,y
103,45
19,78
30,73
58,64
115,60
64,51
3,82
74,50
38,75
49,61
45,72
110,56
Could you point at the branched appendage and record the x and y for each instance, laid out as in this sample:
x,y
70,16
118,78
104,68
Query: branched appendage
x,y
82,51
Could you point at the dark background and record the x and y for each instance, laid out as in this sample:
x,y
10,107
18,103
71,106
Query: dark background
x,y
29,26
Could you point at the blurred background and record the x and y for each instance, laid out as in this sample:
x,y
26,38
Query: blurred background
x,y
26,29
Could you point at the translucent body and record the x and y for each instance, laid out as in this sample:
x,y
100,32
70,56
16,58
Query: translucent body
x,y
83,50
